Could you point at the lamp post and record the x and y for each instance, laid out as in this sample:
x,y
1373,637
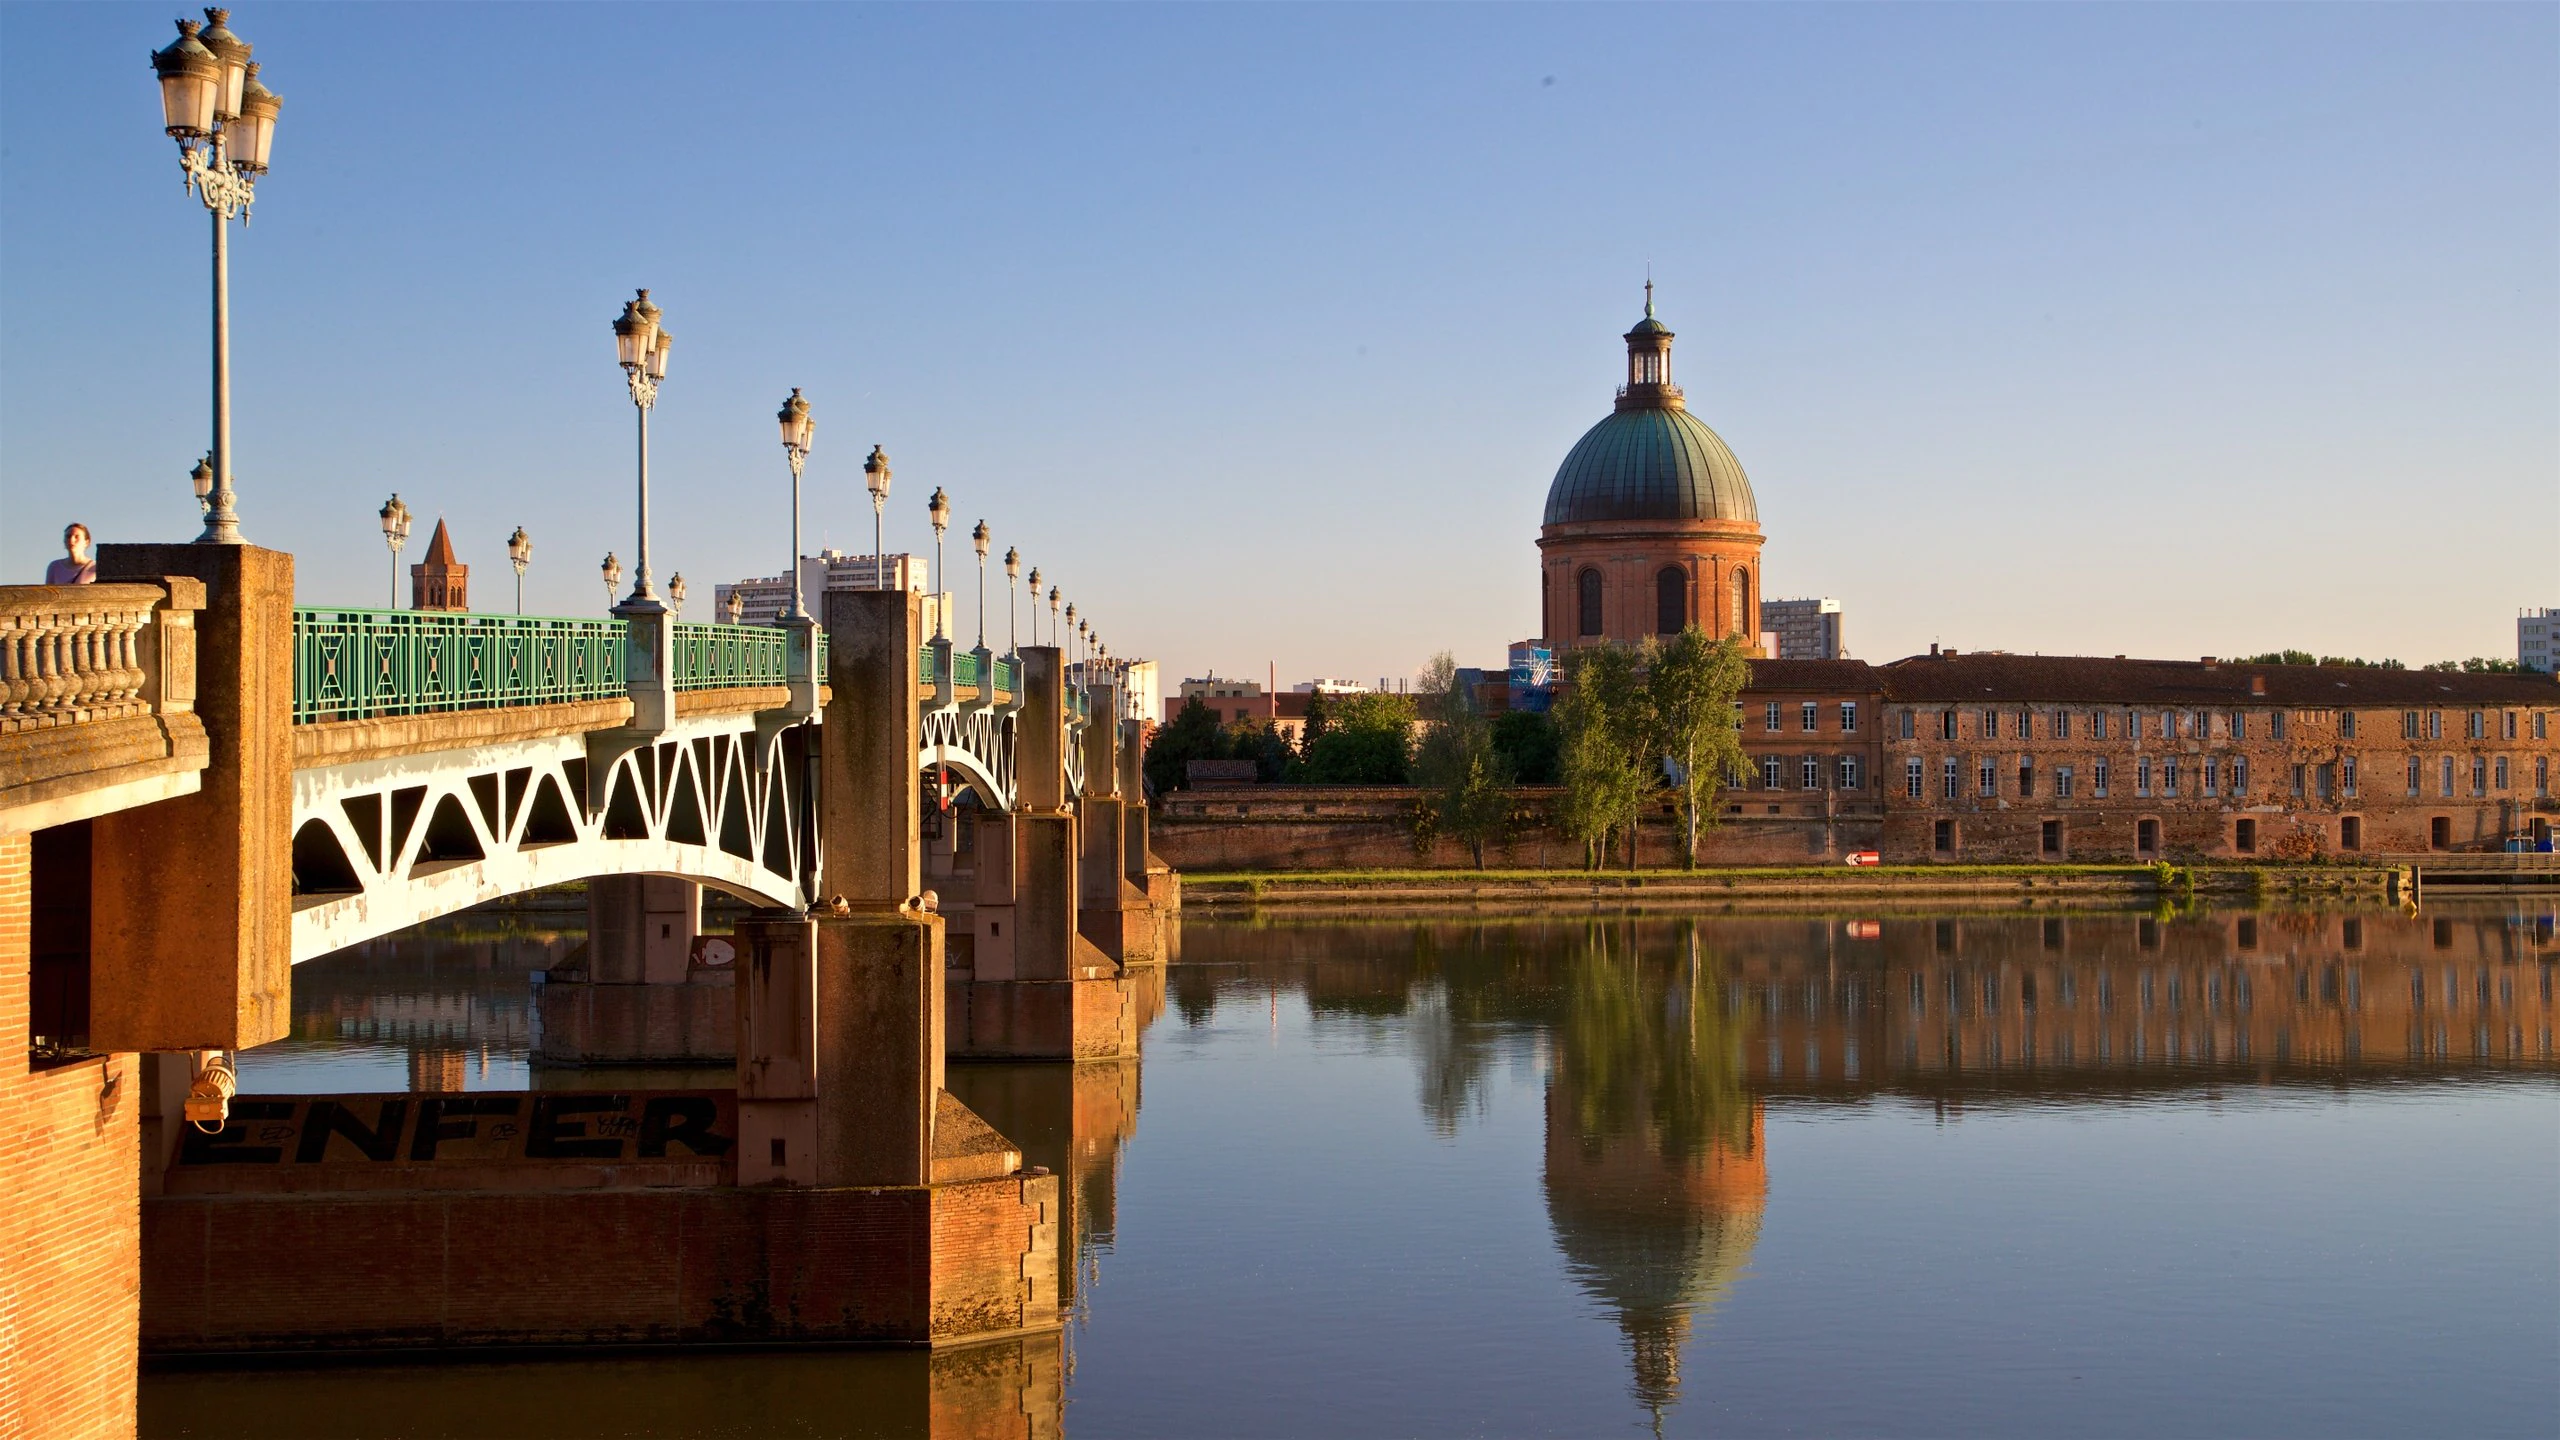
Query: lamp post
x,y
675,593
939,510
1071,636
202,476
395,533
640,347
1053,614
225,124
1035,604
1012,577
520,555
875,477
799,432
978,539
737,604
612,572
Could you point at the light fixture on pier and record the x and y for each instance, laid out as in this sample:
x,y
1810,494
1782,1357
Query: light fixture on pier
x,y
1053,609
395,533
640,345
875,477
978,539
520,555
737,604
799,432
612,572
938,509
202,477
225,124
675,593
1012,577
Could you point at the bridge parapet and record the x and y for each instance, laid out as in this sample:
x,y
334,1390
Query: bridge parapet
x,y
97,698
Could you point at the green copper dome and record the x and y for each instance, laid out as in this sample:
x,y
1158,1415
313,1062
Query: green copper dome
x,y
1658,462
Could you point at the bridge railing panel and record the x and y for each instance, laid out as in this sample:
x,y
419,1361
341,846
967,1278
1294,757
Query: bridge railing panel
x,y
365,664
723,657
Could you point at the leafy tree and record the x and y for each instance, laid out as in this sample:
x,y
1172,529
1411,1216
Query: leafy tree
x,y
1604,723
1319,720
2480,665
1469,779
1274,759
1690,684
2305,657
1368,742
1527,739
1193,735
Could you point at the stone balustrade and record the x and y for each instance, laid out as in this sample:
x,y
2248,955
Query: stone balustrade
x,y
70,654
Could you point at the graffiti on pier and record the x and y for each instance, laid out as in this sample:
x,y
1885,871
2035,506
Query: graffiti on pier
x,y
364,1140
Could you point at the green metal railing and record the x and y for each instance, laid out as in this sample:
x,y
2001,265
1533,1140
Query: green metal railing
x,y
360,664
723,657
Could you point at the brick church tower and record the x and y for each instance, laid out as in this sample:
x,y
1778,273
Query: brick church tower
x,y
439,583
1650,524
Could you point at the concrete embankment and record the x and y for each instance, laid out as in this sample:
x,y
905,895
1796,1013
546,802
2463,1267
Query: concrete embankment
x,y
1787,887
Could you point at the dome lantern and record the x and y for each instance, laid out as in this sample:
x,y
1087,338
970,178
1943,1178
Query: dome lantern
x,y
1649,384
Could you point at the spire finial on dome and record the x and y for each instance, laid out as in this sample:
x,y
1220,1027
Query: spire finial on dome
x,y
1648,289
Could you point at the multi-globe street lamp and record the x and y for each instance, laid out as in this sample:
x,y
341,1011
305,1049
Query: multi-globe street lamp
x,y
978,540
875,477
640,347
395,533
612,572
225,124
520,555
1035,604
675,593
799,432
1053,616
737,604
938,509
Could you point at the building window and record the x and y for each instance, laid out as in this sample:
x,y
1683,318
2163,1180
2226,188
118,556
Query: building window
x,y
2239,724
1670,600
2541,774
1849,772
2244,837
2026,776
1990,724
2408,724
2097,724
2142,776
2479,775
1770,776
2475,726
2210,770
2098,777
1848,717
2239,776
1809,717
2414,763
2325,781
2146,836
2511,725
2133,726
1769,718
1946,724
2052,842
1903,725
1811,771
1587,588
2502,772
1947,778
1987,776
1912,778
2435,724
2062,782
2444,777
2275,724
2026,725
2168,724
2300,775
2169,776
2351,835
2347,724
2203,727
2347,775
2061,724
1942,839
2541,726
1742,604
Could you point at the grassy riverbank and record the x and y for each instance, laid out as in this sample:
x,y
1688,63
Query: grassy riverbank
x,y
2116,884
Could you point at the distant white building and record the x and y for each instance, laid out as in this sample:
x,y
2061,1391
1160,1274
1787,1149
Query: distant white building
x,y
1143,689
763,600
1324,686
2538,640
1805,629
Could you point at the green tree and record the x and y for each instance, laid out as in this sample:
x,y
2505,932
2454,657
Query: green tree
x,y
1469,780
1368,742
1193,735
1691,682
1319,720
1267,746
2479,665
1527,739
1604,725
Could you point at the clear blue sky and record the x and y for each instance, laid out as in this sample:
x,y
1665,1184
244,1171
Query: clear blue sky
x,y
2161,330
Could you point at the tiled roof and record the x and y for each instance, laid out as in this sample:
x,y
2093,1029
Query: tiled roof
x,y
1960,678
1846,677
1650,464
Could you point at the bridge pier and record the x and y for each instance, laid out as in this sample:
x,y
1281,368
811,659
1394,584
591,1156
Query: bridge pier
x,y
1035,988
637,998
1112,911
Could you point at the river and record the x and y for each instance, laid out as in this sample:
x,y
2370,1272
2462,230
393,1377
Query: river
x,y
2064,1173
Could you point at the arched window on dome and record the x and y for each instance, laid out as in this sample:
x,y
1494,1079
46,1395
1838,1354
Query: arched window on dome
x,y
1588,586
1742,604
1670,600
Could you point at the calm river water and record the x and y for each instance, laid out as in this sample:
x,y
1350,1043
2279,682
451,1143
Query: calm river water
x,y
2077,1174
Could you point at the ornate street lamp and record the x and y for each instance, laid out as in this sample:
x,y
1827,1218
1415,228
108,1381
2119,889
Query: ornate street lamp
x,y
978,539
1012,579
675,593
875,476
225,124
799,432
520,555
1053,613
640,347
202,475
1035,604
939,509
395,533
737,604
612,572
1071,635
